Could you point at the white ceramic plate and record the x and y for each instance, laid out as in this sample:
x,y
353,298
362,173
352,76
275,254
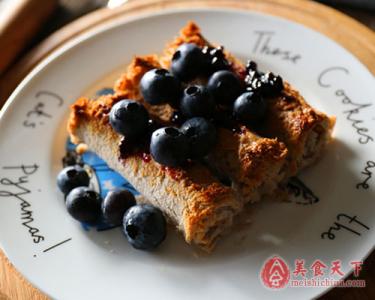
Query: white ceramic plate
x,y
102,265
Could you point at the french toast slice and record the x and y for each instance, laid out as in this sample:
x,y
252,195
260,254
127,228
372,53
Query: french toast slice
x,y
195,198
192,198
304,130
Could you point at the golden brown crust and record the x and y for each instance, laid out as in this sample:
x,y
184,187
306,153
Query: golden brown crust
x,y
130,79
249,161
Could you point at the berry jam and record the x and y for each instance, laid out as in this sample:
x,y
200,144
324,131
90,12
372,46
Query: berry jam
x,y
138,147
172,172
146,157
239,70
130,148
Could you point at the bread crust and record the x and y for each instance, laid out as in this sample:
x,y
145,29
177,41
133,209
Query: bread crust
x,y
305,130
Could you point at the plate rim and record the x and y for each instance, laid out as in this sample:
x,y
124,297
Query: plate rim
x,y
102,29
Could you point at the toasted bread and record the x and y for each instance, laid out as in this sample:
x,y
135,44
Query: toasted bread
x,y
195,198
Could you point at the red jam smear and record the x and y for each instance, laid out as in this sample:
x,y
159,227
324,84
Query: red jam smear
x,y
239,70
138,147
146,157
134,148
172,172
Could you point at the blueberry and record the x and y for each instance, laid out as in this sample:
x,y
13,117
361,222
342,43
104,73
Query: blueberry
x,y
224,118
115,204
72,158
256,84
84,205
250,107
169,147
159,86
72,177
144,226
188,62
197,102
251,78
225,86
129,118
267,85
105,91
177,118
272,84
251,66
201,134
215,59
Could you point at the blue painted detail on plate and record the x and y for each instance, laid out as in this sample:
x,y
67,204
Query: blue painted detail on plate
x,y
105,91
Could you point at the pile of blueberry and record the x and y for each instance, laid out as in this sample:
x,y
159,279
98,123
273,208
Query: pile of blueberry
x,y
225,99
143,225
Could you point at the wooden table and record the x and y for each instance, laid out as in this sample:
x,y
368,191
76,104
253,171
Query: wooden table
x,y
350,34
